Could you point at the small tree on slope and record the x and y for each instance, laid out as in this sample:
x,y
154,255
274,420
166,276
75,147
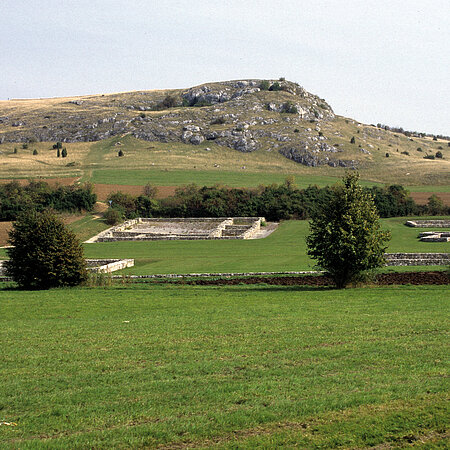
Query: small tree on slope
x,y
45,253
345,233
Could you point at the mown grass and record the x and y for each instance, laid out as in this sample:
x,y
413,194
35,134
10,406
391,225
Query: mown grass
x,y
160,177
234,367
283,250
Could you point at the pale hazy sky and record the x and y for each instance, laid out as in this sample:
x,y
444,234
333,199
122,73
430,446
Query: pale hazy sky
x,y
374,61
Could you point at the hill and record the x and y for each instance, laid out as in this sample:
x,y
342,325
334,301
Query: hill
x,y
247,125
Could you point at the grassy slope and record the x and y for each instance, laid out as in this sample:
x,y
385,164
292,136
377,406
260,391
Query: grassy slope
x,y
268,366
176,163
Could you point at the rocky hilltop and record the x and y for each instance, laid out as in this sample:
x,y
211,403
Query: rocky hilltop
x,y
245,115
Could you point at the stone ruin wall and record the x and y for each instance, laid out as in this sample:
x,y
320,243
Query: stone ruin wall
x,y
207,228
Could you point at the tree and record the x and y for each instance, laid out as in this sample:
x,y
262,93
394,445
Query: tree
x,y
345,234
352,140
64,152
44,253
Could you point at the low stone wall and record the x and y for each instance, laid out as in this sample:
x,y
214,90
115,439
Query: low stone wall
x,y
97,265
428,223
435,236
208,228
417,259
108,265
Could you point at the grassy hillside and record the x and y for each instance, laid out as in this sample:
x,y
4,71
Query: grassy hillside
x,y
258,366
154,141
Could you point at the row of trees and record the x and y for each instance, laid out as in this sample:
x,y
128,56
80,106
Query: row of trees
x,y
275,202
38,195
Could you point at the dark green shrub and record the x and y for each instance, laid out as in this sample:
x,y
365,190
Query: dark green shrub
x,y
419,149
58,153
405,153
275,87
25,146
15,150
352,140
35,152
439,154
218,121
64,152
265,85
44,253
387,155
429,157
290,108
113,216
296,130
120,153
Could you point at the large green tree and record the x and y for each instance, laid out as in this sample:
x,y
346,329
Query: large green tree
x,y
345,237
44,253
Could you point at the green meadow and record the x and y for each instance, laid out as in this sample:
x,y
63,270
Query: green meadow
x,y
233,367
283,250
173,177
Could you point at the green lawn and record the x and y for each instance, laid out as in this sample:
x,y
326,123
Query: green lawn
x,y
244,366
284,250
200,177
241,178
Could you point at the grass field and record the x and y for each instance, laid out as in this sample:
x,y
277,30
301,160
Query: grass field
x,y
230,367
283,250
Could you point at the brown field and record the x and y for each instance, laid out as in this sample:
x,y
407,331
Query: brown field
x,y
54,182
103,190
421,198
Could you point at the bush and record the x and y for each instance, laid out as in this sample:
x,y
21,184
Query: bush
x,y
419,149
35,152
218,121
296,130
25,146
120,153
429,157
15,150
275,87
387,155
45,253
352,140
439,154
58,153
290,108
113,216
345,237
405,153
265,85
64,152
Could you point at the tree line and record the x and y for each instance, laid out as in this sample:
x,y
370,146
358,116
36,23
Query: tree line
x,y
38,196
275,202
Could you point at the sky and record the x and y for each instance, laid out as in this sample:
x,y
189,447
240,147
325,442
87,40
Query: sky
x,y
374,61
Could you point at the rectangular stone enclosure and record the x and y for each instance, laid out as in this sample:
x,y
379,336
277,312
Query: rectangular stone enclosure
x,y
149,229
